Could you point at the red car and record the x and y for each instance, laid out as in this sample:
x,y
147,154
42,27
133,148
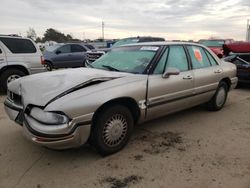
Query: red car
x,y
216,45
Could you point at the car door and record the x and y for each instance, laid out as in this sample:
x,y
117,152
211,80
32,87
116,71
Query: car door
x,y
166,95
207,72
78,55
2,57
62,56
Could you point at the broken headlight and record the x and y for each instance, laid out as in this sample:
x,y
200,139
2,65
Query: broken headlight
x,y
50,118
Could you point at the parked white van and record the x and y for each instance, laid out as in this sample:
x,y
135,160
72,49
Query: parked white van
x,y
18,57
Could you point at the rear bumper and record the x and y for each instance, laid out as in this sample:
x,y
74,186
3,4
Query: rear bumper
x,y
72,135
234,82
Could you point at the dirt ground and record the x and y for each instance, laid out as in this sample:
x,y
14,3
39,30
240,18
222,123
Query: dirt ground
x,y
189,149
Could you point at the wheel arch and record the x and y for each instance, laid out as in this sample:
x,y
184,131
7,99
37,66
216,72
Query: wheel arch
x,y
227,81
128,102
18,67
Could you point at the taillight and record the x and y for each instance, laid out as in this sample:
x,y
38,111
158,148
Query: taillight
x,y
42,60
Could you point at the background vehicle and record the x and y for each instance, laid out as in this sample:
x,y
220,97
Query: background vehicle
x,y
18,57
239,54
95,54
68,55
216,45
128,85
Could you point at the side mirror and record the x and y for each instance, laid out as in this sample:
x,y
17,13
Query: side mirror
x,y
58,52
170,71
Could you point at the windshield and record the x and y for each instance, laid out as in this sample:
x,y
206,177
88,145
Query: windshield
x,y
53,48
212,43
132,59
125,41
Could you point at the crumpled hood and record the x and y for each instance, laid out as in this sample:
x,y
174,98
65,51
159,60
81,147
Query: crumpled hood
x,y
41,88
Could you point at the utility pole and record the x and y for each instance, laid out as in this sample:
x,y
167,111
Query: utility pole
x,y
103,30
248,30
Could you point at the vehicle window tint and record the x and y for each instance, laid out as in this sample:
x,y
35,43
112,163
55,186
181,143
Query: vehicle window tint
x,y
177,58
238,62
198,57
211,59
159,69
16,45
0,51
245,57
90,46
77,48
64,49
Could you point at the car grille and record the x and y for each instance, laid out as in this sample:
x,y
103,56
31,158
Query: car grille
x,y
92,56
16,99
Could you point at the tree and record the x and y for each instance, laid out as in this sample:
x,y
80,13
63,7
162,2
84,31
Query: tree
x,y
54,35
31,33
38,39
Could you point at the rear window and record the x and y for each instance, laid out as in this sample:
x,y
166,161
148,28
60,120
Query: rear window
x,y
19,46
90,46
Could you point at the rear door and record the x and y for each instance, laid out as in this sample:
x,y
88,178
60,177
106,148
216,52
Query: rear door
x,y
78,55
2,57
166,95
207,71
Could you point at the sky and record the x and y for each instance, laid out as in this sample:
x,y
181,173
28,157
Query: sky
x,y
171,19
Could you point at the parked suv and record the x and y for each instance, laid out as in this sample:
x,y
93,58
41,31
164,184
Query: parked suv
x,y
95,54
68,55
18,57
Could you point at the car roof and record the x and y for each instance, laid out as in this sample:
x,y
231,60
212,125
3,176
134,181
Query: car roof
x,y
13,37
164,43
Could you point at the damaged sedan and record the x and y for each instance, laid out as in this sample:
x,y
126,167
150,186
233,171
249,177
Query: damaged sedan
x,y
131,84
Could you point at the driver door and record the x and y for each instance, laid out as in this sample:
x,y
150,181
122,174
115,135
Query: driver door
x,y
167,95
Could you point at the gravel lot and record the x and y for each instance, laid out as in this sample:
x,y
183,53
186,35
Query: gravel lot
x,y
193,148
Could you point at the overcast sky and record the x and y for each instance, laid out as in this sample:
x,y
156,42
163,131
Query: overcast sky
x,y
171,19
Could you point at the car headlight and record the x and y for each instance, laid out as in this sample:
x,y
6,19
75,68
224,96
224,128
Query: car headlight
x,y
50,118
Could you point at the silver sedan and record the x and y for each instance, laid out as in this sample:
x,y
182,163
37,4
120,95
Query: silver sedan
x,y
129,85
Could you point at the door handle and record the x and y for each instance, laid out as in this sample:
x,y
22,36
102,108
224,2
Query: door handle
x,y
189,77
1,59
218,71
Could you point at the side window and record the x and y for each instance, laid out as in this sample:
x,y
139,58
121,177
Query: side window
x,y
177,58
211,59
64,49
159,69
245,57
0,51
198,57
77,48
17,46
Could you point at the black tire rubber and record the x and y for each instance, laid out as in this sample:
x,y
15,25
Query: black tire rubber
x,y
97,131
211,105
5,75
48,66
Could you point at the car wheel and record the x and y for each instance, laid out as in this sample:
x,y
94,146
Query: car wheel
x,y
9,76
219,98
48,66
112,129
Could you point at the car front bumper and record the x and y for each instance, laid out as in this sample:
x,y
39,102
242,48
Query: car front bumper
x,y
71,135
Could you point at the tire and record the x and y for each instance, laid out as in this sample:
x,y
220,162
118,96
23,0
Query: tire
x,y
106,135
48,66
8,76
219,99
